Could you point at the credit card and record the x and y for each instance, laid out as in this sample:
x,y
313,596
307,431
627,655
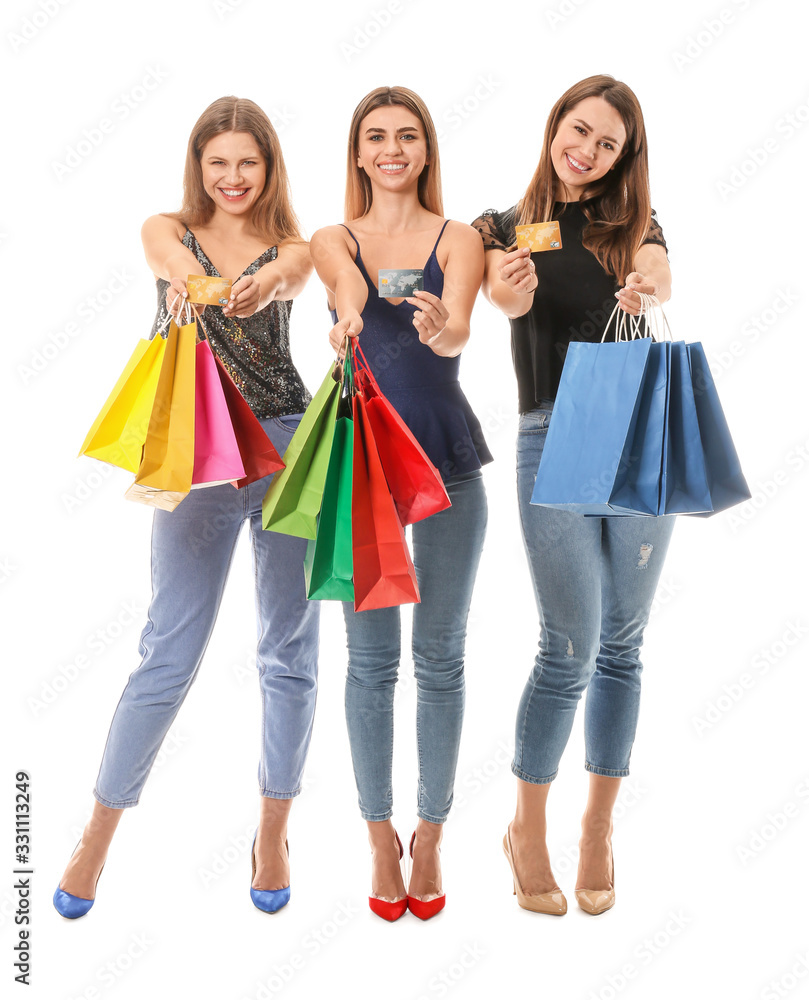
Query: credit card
x,y
205,291
399,283
539,236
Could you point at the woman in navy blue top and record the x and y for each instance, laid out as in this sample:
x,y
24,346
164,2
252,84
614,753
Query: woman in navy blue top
x,y
395,220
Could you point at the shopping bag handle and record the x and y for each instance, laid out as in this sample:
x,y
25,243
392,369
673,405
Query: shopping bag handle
x,y
655,318
196,316
650,322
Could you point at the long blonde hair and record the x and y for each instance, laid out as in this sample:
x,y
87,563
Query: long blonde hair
x,y
618,206
272,217
359,195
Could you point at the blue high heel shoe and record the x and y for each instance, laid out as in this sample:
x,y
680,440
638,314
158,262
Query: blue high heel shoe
x,y
71,906
268,900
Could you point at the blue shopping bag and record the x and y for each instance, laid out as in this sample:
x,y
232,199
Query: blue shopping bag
x,y
684,483
588,455
726,483
646,452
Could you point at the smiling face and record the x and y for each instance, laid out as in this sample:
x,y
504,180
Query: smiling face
x,y
392,147
587,144
233,171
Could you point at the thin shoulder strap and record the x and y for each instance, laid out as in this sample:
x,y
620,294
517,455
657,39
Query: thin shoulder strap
x,y
353,237
439,236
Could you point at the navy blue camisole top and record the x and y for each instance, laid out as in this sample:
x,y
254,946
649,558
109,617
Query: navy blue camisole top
x,y
422,386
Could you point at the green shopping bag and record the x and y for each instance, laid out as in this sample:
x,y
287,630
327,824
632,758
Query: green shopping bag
x,y
292,502
329,564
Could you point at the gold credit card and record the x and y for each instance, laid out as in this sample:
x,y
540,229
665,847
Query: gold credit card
x,y
539,236
205,291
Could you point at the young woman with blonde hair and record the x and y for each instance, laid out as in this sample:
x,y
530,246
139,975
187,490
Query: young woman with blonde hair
x,y
394,216
594,577
236,206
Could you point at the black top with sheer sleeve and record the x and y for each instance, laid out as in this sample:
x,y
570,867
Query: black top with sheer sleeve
x,y
255,349
573,300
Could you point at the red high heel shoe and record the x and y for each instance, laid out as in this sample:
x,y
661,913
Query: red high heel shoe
x,y
421,908
390,909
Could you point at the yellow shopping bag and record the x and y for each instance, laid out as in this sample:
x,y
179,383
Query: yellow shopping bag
x,y
119,430
168,451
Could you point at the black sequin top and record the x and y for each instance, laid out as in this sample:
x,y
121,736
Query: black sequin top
x,y
254,350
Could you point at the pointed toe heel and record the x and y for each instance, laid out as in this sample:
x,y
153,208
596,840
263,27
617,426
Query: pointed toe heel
x,y
390,909
421,908
268,900
69,906
553,903
595,901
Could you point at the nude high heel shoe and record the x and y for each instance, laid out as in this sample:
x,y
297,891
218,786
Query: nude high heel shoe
x,y
595,901
547,902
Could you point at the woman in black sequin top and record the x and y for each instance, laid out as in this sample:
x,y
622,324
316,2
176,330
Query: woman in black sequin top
x,y
236,206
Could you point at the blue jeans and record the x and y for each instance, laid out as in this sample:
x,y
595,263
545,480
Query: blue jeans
x,y
446,553
192,548
594,581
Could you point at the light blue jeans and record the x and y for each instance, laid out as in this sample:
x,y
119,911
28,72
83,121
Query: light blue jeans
x,y
192,548
446,553
594,581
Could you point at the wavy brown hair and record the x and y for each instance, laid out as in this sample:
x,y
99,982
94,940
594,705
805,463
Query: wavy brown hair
x,y
618,206
359,196
273,217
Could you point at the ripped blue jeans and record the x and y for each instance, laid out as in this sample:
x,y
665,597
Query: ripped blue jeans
x,y
594,581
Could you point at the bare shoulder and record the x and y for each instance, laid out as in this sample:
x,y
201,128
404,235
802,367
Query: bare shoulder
x,y
462,243
162,227
330,235
462,235
331,240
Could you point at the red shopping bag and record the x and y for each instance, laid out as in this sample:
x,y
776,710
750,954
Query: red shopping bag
x,y
384,575
258,453
415,484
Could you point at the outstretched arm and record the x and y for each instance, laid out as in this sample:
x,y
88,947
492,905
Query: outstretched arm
x,y
346,287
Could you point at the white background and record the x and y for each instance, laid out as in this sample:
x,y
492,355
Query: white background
x,y
695,913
